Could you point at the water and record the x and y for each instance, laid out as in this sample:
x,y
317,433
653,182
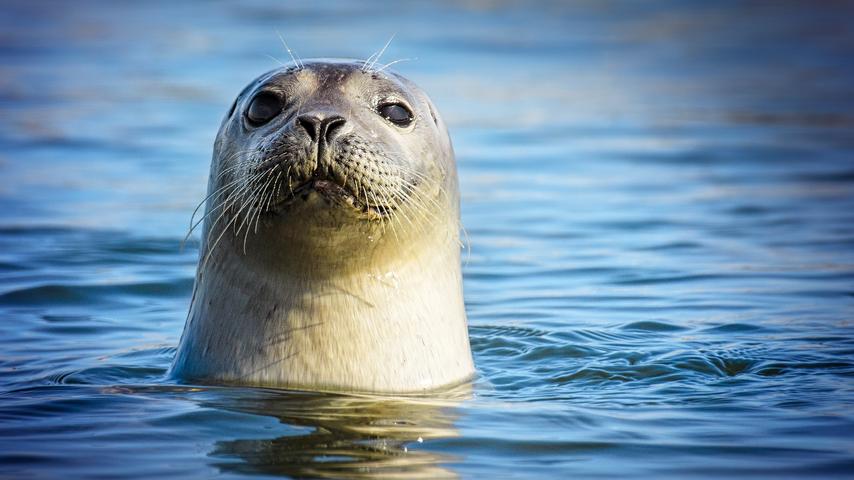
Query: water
x,y
659,201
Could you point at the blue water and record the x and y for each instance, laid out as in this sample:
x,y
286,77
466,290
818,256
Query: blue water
x,y
658,200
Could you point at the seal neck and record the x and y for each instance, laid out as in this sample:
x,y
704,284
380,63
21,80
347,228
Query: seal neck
x,y
395,324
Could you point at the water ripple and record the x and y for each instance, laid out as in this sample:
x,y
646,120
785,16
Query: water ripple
x,y
659,207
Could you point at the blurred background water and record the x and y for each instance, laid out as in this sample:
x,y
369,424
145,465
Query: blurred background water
x,y
659,201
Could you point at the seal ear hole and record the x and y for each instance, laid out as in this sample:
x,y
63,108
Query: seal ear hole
x,y
396,113
432,114
264,107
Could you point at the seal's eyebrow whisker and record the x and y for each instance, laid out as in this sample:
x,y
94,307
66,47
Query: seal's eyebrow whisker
x,y
275,60
373,59
396,61
367,62
297,61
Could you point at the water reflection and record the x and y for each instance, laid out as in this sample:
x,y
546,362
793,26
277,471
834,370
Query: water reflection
x,y
348,437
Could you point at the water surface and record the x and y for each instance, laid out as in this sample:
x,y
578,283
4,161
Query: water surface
x,y
658,200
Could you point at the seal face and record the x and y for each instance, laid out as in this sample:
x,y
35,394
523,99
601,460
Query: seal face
x,y
330,246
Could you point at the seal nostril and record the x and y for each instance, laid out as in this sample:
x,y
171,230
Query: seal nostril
x,y
321,127
311,124
332,126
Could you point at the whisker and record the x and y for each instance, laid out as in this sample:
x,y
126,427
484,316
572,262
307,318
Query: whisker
x,y
225,229
283,64
394,218
193,227
216,194
232,201
223,172
394,62
257,207
270,197
375,58
467,244
297,61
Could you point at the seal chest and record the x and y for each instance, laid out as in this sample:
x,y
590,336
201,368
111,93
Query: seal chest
x,y
330,252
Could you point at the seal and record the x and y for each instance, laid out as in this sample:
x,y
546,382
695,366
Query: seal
x,y
330,252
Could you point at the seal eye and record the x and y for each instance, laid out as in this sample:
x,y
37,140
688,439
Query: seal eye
x,y
396,114
263,108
